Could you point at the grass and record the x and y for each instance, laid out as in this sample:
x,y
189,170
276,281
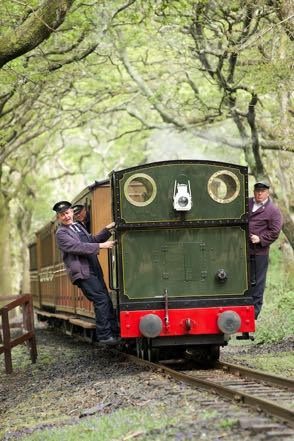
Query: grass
x,y
276,320
155,423
227,423
123,424
21,358
280,363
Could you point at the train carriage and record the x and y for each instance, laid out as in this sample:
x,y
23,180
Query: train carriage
x,y
179,274
55,298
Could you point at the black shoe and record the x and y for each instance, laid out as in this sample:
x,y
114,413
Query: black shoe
x,y
110,341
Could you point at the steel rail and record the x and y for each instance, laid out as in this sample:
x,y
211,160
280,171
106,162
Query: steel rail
x,y
284,413
256,375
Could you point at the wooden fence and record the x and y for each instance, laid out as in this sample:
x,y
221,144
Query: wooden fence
x,y
25,302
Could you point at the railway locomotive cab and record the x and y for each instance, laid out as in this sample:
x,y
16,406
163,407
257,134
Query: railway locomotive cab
x,y
179,274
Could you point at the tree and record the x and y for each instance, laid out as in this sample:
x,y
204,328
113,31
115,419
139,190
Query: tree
x,y
24,27
104,75
285,12
220,60
229,49
33,95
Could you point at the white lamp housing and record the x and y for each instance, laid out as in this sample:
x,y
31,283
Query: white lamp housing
x,y
182,197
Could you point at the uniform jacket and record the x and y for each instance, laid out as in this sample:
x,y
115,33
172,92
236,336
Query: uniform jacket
x,y
74,251
266,222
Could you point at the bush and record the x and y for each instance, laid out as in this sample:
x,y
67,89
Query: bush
x,y
276,320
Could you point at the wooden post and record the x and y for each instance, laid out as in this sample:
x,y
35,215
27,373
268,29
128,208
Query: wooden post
x,y
28,328
6,341
28,322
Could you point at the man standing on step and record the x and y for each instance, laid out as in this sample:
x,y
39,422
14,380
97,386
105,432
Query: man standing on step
x,y
265,223
79,251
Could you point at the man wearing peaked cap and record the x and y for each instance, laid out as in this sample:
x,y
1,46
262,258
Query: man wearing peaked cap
x,y
79,251
61,206
262,184
82,216
77,208
265,224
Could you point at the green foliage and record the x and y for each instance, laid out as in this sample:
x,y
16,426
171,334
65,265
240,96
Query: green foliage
x,y
116,426
276,320
229,422
267,78
74,112
156,422
274,324
21,358
280,363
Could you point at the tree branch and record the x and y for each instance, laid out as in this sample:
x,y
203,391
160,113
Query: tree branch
x,y
147,92
34,30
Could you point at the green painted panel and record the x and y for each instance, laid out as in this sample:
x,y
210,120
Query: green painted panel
x,y
161,209
184,261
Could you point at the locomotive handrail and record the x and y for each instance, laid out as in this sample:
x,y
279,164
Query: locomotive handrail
x,y
110,270
27,324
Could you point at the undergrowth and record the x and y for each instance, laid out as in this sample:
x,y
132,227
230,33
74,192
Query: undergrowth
x,y
276,320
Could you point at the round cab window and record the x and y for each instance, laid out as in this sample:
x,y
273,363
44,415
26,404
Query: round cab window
x,y
223,186
140,189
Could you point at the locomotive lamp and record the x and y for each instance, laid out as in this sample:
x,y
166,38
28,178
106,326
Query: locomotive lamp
x,y
182,197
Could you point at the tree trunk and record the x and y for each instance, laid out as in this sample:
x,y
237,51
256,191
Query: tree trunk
x,y
40,23
5,260
288,228
24,225
285,11
284,169
25,287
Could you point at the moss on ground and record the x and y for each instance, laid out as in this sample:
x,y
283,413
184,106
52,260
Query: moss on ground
x,y
281,363
155,423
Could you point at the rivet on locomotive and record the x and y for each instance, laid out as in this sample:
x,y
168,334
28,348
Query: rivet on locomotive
x,y
179,274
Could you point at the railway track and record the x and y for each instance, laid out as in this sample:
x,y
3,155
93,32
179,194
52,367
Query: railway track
x,y
269,393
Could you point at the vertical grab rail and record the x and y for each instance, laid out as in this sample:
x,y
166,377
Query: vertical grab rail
x,y
28,325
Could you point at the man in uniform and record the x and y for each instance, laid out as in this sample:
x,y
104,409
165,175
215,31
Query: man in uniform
x,y
79,251
265,223
82,216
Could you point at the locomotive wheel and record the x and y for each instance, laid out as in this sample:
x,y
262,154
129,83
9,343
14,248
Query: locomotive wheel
x,y
205,356
153,354
141,349
214,353
138,348
145,351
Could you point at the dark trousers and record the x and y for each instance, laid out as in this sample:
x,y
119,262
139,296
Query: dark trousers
x,y
95,291
258,270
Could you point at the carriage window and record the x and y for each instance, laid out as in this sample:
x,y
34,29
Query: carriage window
x,y
140,189
223,186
